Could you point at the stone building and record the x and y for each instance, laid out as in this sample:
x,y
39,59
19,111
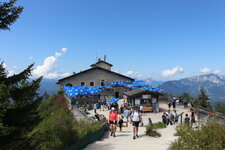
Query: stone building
x,y
98,74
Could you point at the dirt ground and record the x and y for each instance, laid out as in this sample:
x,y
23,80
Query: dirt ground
x,y
124,140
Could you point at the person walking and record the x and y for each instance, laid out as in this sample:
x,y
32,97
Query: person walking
x,y
102,107
176,117
174,105
169,105
126,115
141,109
95,108
113,118
121,123
121,109
136,119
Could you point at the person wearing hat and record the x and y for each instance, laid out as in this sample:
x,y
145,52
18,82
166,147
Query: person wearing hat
x,y
113,117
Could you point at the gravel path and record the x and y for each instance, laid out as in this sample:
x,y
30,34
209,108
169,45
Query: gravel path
x,y
124,141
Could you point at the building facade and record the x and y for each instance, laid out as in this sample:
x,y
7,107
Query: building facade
x,y
98,74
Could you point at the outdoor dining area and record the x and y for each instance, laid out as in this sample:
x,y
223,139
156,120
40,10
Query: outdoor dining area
x,y
139,94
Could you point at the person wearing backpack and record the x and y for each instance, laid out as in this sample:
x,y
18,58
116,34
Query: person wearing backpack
x,y
136,119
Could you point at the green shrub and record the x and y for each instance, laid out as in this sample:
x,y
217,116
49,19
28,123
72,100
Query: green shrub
x,y
220,107
159,125
152,132
182,129
211,136
58,129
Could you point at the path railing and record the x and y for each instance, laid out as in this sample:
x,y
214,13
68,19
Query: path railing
x,y
76,112
90,138
203,114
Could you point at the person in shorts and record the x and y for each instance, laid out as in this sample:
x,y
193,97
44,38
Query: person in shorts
x,y
113,117
136,119
120,123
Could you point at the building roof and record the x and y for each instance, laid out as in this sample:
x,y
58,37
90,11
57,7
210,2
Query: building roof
x,y
101,61
94,69
140,91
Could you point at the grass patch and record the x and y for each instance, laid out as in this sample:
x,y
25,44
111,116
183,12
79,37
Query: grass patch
x,y
159,125
152,132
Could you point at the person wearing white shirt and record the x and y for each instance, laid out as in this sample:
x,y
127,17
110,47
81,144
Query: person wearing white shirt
x,y
136,119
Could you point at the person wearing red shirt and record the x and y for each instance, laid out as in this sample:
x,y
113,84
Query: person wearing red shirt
x,y
113,117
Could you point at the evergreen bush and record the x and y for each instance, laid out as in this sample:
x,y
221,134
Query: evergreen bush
x,y
210,136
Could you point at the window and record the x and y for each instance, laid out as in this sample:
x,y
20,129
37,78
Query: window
x,y
82,83
69,84
103,83
92,83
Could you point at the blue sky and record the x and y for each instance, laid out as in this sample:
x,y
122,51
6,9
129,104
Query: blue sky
x,y
161,39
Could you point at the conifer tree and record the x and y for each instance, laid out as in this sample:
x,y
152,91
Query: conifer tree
x,y
186,96
203,99
9,13
18,105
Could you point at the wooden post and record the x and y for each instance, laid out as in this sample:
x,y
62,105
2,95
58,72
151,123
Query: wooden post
x,y
181,117
150,122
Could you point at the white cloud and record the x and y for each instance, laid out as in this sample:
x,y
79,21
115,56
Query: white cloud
x,y
205,70
136,75
4,65
47,69
31,57
57,54
115,71
56,75
11,71
64,49
172,72
217,71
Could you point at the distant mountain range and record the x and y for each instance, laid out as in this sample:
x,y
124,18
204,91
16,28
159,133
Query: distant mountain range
x,y
49,86
212,83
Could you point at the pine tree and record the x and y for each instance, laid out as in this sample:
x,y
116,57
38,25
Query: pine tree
x,y
186,96
18,105
203,99
9,13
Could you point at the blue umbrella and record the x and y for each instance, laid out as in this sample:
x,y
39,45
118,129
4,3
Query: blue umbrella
x,y
107,87
128,81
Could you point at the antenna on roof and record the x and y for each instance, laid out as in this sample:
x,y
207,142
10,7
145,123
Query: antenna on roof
x,y
96,56
105,57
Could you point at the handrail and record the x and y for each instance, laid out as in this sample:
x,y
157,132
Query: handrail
x,y
204,111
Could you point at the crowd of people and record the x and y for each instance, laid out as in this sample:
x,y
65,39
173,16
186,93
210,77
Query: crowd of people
x,y
118,116
169,118
172,118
